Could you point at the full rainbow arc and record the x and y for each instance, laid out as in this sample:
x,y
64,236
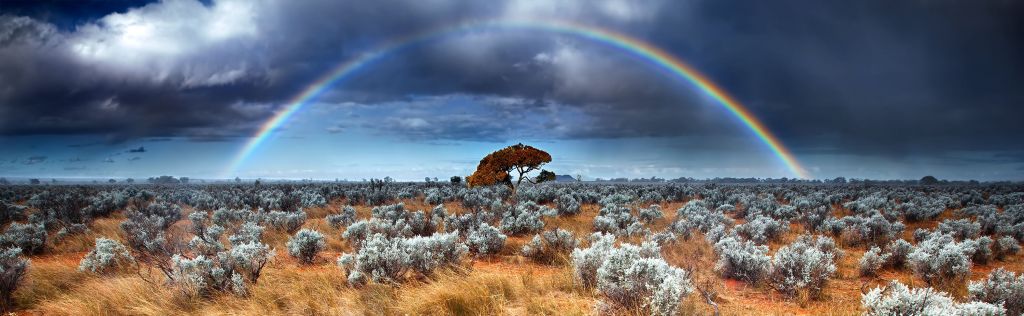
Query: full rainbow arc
x,y
621,41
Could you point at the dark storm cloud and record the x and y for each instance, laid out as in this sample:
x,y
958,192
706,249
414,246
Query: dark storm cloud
x,y
893,77
830,77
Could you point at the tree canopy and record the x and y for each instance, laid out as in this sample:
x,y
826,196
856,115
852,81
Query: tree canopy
x,y
496,167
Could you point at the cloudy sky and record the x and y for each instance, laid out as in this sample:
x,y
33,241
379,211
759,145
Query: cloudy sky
x,y
872,88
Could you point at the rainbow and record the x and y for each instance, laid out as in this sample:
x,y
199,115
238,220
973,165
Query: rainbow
x,y
621,41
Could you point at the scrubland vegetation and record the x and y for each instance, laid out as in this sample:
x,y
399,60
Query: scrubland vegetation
x,y
554,248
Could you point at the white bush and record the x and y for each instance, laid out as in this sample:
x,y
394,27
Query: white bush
x,y
586,261
346,217
651,213
485,240
742,259
803,266
1001,288
568,205
12,272
873,260
550,246
107,256
629,279
897,299
305,245
940,260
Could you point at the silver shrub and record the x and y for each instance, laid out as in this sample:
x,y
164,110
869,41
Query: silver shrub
x,y
567,205
982,249
762,229
939,259
694,215
897,299
382,259
485,240
960,229
651,213
285,221
12,272
742,259
106,257
898,251
31,238
873,260
305,245
387,260
202,276
1005,246
250,232
586,261
550,246
631,278
522,219
248,259
619,220
1001,288
346,217
803,266
427,254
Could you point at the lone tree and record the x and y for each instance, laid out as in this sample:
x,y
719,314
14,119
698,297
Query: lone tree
x,y
522,159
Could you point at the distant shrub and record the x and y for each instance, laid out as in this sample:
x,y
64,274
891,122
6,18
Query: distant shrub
x,y
586,261
803,267
567,205
898,251
872,230
762,229
742,259
346,217
898,299
694,215
249,258
873,260
285,221
144,235
921,234
550,246
382,259
31,238
982,249
12,273
618,220
960,229
1000,288
940,260
522,219
917,213
628,279
249,232
305,245
1005,246
357,233
651,213
108,256
427,254
388,260
485,240
201,276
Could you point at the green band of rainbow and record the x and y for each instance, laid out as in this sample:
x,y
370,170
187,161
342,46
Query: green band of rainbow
x,y
624,42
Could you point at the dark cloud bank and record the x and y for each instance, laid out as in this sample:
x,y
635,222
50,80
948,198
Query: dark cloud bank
x,y
878,77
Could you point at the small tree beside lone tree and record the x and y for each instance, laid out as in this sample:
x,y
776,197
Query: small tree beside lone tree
x,y
496,167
